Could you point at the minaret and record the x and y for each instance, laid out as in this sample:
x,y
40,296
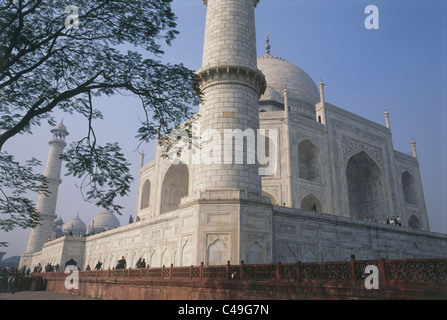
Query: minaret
x,y
387,119
227,176
46,203
287,155
413,146
321,108
231,85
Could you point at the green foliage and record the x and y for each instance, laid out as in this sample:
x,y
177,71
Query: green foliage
x,y
44,65
15,181
101,171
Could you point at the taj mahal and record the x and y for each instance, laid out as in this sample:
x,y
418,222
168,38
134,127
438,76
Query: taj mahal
x,y
325,188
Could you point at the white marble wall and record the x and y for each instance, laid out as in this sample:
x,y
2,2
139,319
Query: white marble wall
x,y
309,237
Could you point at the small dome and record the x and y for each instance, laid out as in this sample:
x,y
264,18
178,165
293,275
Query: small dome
x,y
60,127
281,74
57,224
75,226
103,221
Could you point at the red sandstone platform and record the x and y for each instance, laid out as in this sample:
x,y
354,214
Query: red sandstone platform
x,y
397,279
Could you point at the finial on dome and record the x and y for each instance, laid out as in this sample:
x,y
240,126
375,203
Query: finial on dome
x,y
267,47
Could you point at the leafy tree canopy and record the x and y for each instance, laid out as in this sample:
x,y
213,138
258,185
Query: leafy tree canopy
x,y
61,55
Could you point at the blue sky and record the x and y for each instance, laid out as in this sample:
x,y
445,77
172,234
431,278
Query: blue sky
x,y
401,67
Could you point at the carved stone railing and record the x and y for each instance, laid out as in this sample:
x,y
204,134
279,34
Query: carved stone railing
x,y
424,271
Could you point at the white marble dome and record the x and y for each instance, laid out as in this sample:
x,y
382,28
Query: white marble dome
x,y
60,127
58,223
280,74
75,226
103,221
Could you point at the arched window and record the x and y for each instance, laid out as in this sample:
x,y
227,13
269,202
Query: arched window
x,y
311,203
365,188
409,188
414,222
175,187
145,195
308,161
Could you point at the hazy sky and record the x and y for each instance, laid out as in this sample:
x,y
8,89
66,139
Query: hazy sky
x,y
401,67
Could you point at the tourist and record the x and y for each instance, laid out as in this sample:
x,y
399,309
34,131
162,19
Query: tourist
x,y
121,263
138,265
98,265
15,283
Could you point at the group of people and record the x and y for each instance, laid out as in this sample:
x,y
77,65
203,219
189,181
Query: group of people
x,y
10,279
141,263
131,219
48,268
395,221
122,264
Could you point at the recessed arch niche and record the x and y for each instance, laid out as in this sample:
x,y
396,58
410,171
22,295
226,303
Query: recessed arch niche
x,y
365,188
175,187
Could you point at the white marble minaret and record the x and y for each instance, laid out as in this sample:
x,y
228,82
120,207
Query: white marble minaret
x,y
231,86
228,178
46,203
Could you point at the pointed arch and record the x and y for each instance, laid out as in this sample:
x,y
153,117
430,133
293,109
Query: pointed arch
x,y
365,188
409,188
217,253
311,203
154,258
329,254
271,197
166,257
145,195
309,256
414,223
186,253
308,165
255,253
175,187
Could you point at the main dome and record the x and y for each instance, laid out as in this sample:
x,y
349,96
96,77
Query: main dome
x,y
281,74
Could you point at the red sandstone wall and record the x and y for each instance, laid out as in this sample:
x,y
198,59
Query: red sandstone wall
x,y
397,279
122,289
